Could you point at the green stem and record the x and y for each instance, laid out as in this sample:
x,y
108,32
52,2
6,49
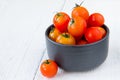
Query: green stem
x,y
52,30
72,22
66,35
81,3
77,5
47,62
58,14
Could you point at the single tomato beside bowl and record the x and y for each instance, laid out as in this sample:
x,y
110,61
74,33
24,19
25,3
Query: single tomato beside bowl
x,y
49,68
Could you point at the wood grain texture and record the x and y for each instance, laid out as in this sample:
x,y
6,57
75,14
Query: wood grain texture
x,y
22,40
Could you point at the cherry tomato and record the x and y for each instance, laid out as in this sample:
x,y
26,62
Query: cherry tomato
x,y
54,33
94,34
49,68
102,31
66,38
77,26
61,20
80,11
82,42
96,19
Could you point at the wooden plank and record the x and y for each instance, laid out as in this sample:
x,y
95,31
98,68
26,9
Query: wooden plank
x,y
22,43
109,70
22,28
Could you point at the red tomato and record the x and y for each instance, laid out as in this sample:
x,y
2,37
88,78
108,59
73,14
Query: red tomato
x,y
96,19
66,38
49,68
77,26
82,42
94,34
61,20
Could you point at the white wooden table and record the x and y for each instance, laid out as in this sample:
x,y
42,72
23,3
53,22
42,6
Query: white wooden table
x,y
22,40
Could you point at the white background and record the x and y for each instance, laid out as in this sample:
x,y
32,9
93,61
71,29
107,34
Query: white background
x,y
22,40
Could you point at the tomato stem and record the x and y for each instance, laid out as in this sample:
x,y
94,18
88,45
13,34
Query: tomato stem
x,y
52,29
71,22
47,62
58,14
81,3
77,5
66,35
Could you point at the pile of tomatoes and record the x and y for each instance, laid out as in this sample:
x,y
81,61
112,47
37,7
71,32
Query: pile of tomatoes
x,y
79,28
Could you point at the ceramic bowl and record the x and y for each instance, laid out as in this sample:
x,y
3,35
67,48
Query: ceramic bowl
x,y
78,57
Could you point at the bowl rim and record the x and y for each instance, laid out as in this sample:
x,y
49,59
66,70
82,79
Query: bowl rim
x,y
89,44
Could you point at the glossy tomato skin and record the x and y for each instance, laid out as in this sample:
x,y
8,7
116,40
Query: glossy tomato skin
x,y
49,68
80,11
66,38
54,33
77,27
96,19
93,34
102,31
61,20
82,42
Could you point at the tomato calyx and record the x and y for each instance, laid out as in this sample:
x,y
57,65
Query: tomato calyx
x,y
77,5
47,62
59,14
72,22
66,35
52,30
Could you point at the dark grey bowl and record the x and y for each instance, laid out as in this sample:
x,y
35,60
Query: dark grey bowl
x,y
78,57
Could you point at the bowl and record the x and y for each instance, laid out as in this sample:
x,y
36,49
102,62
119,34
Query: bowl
x,y
78,57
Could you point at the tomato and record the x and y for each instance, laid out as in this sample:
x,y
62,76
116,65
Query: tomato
x,y
82,42
54,33
94,34
102,31
66,38
77,26
96,19
49,68
61,20
80,11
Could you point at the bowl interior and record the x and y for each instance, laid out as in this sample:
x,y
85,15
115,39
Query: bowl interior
x,y
89,44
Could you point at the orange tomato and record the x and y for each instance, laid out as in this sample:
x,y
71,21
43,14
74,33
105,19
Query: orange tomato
x,y
77,26
102,31
66,38
61,20
49,68
80,11
96,19
54,33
